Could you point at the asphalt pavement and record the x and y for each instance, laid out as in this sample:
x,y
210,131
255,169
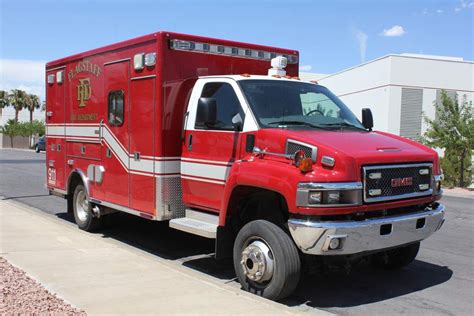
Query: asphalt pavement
x,y
439,282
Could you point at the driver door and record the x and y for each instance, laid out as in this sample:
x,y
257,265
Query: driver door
x,y
209,151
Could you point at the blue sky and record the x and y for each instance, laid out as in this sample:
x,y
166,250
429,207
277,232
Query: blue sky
x,y
330,35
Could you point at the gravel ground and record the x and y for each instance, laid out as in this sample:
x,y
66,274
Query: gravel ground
x,y
21,295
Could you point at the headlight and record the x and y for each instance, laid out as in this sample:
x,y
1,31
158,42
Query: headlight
x,y
329,194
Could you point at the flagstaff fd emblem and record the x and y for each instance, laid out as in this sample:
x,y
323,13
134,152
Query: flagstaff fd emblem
x,y
83,91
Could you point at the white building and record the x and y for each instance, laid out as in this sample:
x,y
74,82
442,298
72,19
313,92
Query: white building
x,y
399,89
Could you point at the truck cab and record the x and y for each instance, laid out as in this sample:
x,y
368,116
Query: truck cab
x,y
275,151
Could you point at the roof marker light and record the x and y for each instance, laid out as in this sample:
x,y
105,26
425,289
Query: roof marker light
x,y
139,61
51,78
150,59
60,76
209,48
182,45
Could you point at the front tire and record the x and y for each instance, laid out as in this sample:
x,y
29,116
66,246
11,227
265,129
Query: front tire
x,y
83,210
266,260
396,258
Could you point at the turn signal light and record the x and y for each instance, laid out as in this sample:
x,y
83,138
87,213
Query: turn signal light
x,y
306,165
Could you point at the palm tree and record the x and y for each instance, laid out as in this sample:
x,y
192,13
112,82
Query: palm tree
x,y
32,103
3,101
18,99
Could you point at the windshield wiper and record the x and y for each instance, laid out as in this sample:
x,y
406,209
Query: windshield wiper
x,y
344,124
296,123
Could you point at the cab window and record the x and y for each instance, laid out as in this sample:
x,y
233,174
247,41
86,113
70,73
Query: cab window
x,y
228,105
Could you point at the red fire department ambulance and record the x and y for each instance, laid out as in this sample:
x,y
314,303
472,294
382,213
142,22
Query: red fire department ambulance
x,y
223,140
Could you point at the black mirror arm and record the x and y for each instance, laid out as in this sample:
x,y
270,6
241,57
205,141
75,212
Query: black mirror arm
x,y
237,122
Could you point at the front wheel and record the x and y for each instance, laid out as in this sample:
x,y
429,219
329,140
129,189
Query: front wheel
x,y
83,210
266,260
396,258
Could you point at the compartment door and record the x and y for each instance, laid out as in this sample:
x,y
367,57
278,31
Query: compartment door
x,y
142,144
115,133
55,132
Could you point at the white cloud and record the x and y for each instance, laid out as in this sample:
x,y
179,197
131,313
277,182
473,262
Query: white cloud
x,y
362,40
464,5
425,11
306,67
28,75
394,31
439,11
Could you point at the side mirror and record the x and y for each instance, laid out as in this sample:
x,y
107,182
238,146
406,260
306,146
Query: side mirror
x,y
207,111
237,122
367,119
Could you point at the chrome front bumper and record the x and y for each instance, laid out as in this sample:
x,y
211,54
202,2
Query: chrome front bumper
x,y
368,235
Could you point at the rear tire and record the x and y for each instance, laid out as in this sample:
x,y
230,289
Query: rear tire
x,y
266,260
396,258
83,210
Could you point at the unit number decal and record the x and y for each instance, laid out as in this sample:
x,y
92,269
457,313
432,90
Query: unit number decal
x,y
51,176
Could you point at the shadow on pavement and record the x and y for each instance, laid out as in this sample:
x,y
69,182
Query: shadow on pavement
x,y
365,285
330,288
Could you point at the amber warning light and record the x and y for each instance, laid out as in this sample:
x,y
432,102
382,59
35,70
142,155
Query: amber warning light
x,y
303,163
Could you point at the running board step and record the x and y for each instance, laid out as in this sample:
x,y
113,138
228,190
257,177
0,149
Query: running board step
x,y
197,223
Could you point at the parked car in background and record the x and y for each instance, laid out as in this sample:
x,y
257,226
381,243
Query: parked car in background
x,y
40,144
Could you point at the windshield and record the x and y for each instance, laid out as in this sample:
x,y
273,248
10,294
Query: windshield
x,y
289,104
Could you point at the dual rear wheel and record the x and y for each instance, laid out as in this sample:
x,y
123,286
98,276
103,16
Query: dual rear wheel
x,y
82,210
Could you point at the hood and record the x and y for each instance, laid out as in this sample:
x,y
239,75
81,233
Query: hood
x,y
364,144
352,149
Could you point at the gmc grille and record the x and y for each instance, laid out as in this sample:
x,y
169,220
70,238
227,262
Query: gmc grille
x,y
393,182
292,146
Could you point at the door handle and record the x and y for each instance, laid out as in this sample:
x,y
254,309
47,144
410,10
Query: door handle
x,y
136,156
190,142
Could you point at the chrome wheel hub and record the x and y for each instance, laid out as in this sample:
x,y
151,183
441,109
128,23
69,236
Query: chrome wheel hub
x,y
257,261
82,206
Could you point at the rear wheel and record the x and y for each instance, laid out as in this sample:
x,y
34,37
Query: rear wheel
x,y
396,258
266,260
83,210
